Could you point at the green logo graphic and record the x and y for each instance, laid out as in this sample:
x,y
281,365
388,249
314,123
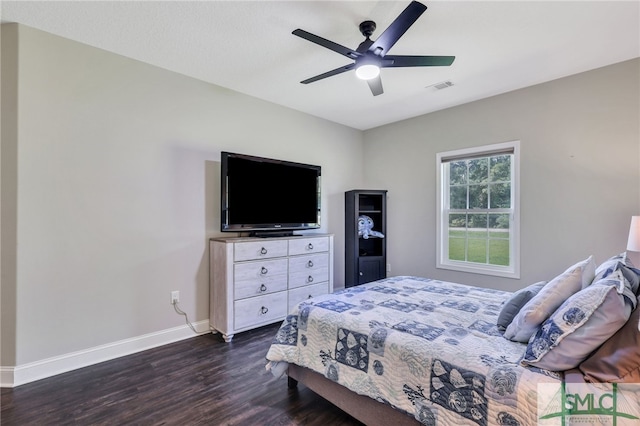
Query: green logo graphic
x,y
587,404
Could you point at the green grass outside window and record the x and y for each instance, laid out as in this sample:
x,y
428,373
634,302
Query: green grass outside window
x,y
476,242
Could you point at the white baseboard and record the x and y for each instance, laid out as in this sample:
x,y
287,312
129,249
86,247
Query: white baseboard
x,y
26,373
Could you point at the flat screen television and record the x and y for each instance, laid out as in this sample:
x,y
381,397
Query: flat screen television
x,y
265,196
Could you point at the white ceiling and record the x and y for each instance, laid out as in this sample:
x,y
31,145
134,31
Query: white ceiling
x,y
247,46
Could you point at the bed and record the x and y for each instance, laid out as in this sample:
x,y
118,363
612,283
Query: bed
x,y
412,350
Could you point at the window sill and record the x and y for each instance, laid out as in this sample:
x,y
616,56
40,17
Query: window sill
x,y
480,269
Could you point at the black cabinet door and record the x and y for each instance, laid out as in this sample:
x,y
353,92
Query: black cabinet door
x,y
370,269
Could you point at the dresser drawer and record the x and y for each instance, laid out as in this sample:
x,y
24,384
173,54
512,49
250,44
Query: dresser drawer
x,y
308,263
298,295
266,285
308,245
260,269
305,278
252,250
260,310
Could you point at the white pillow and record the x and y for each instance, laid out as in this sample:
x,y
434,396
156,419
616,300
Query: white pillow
x,y
583,323
542,305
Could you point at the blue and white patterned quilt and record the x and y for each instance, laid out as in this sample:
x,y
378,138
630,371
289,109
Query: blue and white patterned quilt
x,y
426,347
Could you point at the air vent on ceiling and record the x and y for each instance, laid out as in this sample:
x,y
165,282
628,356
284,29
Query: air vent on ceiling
x,y
441,85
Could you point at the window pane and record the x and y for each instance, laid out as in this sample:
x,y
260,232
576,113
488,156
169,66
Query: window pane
x,y
477,249
479,223
458,197
458,173
499,235
500,195
499,252
500,168
478,170
478,196
457,221
456,248
457,236
499,222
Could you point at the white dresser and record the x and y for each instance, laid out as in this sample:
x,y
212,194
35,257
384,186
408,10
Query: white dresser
x,y
256,281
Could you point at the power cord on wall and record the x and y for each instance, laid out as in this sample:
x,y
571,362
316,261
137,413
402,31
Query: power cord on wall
x,y
186,318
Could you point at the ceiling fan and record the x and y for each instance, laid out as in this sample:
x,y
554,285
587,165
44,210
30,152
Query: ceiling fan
x,y
370,55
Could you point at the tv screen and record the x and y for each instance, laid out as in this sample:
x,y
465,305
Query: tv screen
x,y
264,194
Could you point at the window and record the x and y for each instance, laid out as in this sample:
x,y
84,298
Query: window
x,y
478,210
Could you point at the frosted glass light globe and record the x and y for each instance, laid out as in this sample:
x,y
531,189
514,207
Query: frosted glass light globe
x,y
367,72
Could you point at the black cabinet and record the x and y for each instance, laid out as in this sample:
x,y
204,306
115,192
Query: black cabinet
x,y
365,246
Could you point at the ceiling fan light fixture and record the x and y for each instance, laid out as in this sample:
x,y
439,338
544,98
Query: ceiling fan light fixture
x,y
367,71
371,55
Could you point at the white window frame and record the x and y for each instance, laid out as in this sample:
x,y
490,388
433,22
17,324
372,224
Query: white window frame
x,y
442,226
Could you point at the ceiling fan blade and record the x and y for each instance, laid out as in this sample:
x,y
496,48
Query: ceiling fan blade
x,y
397,28
375,84
338,48
329,73
416,61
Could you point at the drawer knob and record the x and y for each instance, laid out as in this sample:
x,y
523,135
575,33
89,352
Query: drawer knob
x,y
264,270
309,279
263,288
264,310
310,264
263,250
310,246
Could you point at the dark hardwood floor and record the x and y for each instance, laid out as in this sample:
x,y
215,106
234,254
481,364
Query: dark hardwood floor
x,y
198,381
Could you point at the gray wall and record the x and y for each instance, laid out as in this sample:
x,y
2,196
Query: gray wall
x,y
580,175
115,164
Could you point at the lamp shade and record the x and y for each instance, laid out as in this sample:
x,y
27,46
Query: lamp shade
x,y
634,234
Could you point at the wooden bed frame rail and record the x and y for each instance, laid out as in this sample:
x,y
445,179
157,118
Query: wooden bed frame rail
x,y
362,408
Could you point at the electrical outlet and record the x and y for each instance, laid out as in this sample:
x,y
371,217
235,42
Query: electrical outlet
x,y
388,267
175,297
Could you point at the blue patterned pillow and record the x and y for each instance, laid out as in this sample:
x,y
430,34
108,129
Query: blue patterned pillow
x,y
583,323
623,263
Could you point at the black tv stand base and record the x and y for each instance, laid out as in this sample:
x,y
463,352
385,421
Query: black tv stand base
x,y
271,234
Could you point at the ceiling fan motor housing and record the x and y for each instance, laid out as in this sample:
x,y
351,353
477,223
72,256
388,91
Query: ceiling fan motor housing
x,y
367,28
